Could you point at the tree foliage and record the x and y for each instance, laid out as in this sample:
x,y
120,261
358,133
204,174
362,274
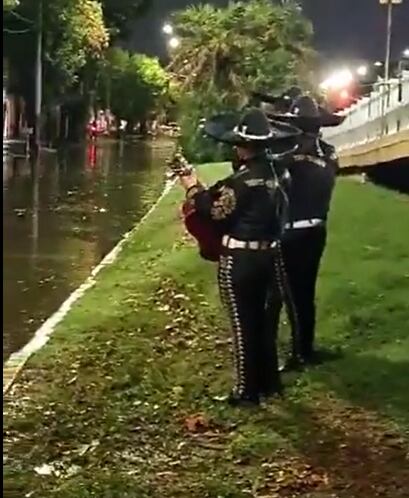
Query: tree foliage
x,y
225,53
78,35
240,48
119,14
136,83
9,4
73,32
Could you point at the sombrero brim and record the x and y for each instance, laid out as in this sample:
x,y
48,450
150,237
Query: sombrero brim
x,y
270,99
222,128
325,119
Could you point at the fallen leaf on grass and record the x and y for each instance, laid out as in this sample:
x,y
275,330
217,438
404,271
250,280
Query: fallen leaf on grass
x,y
211,446
73,470
196,423
177,390
84,448
220,398
44,470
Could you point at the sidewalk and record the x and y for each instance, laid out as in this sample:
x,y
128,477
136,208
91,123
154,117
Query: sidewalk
x,y
126,400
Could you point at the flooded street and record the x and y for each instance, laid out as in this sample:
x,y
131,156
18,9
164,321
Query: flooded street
x,y
62,218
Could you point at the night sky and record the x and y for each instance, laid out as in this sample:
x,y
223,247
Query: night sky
x,y
344,29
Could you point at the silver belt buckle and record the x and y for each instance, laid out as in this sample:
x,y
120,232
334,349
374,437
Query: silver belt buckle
x,y
254,245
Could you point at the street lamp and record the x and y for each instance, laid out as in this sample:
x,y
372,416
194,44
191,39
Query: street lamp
x,y
338,80
362,70
167,29
390,4
174,42
404,61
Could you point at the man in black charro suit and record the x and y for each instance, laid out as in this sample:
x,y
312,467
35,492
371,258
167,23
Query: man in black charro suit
x,y
313,168
245,206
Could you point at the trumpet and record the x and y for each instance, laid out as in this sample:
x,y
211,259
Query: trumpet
x,y
208,238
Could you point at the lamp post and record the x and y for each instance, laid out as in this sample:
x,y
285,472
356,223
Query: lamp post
x,y
38,81
389,4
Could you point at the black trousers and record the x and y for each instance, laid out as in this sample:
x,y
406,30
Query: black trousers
x,y
250,292
301,251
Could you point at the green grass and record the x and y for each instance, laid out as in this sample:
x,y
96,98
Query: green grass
x,y
111,402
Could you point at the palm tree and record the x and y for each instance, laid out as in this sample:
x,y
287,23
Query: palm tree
x,y
234,50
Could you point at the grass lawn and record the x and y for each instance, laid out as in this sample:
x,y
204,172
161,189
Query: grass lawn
x,y
126,401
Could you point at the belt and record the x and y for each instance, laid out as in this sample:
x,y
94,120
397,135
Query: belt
x,y
313,222
255,245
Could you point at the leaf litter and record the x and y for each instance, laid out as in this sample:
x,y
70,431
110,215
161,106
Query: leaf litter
x,y
161,443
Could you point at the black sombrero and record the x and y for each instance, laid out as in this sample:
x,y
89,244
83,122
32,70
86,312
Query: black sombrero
x,y
251,127
305,113
282,102
289,95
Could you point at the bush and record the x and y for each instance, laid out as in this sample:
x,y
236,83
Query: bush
x,y
196,146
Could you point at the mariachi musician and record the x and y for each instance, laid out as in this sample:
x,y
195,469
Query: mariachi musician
x,y
244,209
313,168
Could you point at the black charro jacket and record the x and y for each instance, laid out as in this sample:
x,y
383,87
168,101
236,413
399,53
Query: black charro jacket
x,y
247,205
313,169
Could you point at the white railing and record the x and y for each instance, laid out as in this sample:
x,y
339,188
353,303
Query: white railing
x,y
384,112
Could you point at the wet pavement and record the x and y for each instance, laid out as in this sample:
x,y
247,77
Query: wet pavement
x,y
62,217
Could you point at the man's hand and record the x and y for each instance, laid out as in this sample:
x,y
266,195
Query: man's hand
x,y
188,181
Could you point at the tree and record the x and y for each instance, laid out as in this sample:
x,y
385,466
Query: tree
x,y
226,53
80,35
119,14
73,30
73,34
136,83
9,4
240,48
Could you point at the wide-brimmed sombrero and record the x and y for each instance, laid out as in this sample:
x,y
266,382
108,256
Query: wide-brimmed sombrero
x,y
283,100
305,113
251,127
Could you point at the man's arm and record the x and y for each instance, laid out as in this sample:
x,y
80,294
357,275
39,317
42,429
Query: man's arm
x,y
217,203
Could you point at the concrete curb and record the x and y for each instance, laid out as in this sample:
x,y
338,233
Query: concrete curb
x,y
17,360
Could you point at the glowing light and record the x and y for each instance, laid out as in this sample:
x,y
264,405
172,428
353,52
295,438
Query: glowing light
x,y
344,94
362,70
167,29
174,42
340,79
405,53
378,64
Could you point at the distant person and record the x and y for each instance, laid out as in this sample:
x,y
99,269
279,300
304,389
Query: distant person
x,y
122,128
313,168
93,129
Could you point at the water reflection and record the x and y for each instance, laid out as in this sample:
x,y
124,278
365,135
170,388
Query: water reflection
x,y
61,216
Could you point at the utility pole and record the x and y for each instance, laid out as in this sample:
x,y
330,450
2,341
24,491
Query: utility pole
x,y
38,80
389,4
388,40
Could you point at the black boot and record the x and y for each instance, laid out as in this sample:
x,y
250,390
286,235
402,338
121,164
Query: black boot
x,y
243,400
271,388
293,364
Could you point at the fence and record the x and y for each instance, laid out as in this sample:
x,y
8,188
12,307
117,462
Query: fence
x,y
384,112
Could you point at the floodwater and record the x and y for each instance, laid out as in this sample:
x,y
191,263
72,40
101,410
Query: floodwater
x,y
62,217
